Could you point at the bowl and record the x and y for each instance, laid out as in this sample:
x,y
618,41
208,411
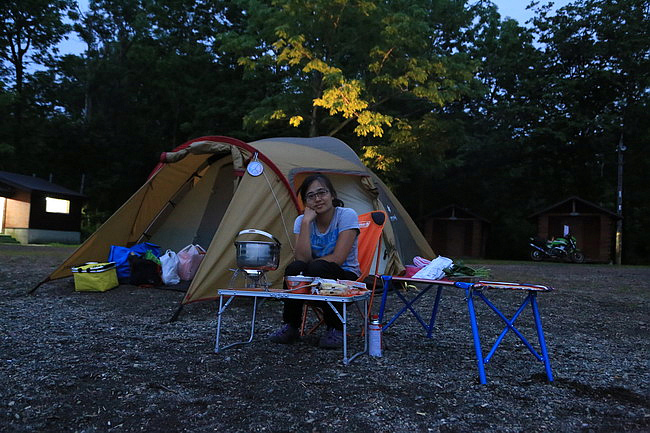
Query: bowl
x,y
299,284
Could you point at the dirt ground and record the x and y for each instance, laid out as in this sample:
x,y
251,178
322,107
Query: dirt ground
x,y
109,362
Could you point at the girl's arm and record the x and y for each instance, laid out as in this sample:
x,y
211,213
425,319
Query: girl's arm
x,y
303,239
343,246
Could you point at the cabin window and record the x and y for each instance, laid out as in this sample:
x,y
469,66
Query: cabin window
x,y
57,205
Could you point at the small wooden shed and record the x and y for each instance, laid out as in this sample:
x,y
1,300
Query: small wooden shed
x,y
456,232
33,210
593,226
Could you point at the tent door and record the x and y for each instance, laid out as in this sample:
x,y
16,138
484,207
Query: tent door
x,y
198,210
218,201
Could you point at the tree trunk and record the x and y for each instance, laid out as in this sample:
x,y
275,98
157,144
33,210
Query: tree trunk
x,y
317,86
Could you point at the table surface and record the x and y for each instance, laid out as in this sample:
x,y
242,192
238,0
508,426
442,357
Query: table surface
x,y
262,293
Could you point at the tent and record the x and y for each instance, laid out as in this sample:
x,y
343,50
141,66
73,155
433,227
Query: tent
x,y
206,191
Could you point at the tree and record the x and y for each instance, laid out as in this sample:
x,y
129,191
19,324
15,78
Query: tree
x,y
356,67
30,29
599,85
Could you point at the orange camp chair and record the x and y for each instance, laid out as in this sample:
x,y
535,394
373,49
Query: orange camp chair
x,y
371,225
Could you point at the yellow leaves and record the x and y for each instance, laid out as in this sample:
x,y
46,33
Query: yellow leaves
x,y
344,99
295,121
290,49
278,114
372,123
246,62
377,159
322,67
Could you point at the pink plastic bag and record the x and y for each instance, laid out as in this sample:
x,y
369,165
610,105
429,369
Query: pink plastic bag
x,y
189,259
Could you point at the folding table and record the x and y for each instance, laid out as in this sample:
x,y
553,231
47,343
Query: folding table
x,y
264,294
473,289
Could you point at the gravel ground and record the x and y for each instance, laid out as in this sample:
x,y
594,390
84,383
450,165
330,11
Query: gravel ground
x,y
104,362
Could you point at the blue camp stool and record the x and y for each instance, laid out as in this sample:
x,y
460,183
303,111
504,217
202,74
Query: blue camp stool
x,y
477,289
473,290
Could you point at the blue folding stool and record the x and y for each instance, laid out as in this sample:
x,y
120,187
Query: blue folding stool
x,y
472,290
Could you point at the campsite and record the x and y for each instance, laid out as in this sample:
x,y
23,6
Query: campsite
x,y
170,170
97,362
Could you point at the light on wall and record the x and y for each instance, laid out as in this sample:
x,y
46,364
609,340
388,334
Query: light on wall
x,y
57,205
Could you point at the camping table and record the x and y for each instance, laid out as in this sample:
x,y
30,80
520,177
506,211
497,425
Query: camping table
x,y
473,289
265,294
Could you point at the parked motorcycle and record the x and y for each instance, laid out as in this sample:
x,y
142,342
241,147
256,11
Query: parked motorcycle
x,y
561,248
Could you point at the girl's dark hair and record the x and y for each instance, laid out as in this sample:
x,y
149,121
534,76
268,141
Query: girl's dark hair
x,y
302,191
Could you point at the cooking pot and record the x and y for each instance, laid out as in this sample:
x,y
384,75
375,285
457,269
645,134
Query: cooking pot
x,y
259,255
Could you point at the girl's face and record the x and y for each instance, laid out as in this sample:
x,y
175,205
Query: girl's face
x,y
318,197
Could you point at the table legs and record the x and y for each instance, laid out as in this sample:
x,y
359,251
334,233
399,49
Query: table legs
x,y
346,360
471,291
343,319
542,340
408,305
477,339
222,308
480,360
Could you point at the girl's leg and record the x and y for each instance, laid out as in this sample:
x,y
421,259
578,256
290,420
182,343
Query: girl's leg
x,y
292,312
331,270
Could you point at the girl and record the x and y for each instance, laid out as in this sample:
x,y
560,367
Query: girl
x,y
326,246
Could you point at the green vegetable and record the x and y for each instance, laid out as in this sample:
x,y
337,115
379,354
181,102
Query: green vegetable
x,y
460,270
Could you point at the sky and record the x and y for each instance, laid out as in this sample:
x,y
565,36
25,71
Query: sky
x,y
517,8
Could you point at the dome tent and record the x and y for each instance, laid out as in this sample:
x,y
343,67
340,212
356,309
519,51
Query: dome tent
x,y
202,193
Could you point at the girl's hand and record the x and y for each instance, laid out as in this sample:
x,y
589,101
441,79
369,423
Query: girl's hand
x,y
309,215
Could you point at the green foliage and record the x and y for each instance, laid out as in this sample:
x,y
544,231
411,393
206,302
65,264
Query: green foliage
x,y
351,65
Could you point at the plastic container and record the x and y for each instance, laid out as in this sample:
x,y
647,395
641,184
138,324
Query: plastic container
x,y
299,283
95,277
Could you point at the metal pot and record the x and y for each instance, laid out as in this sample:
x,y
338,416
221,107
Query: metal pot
x,y
264,256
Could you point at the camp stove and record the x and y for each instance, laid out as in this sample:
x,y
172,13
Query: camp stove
x,y
254,259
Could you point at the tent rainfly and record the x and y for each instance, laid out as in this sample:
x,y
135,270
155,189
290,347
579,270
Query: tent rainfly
x,y
202,193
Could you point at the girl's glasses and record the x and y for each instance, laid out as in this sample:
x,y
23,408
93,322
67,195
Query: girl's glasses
x,y
319,193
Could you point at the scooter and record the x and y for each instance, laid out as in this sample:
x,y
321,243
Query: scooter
x,y
561,248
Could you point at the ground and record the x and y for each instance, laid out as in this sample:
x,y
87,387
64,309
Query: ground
x,y
99,362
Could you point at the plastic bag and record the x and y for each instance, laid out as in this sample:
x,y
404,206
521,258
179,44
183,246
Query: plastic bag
x,y
434,270
189,259
120,255
169,262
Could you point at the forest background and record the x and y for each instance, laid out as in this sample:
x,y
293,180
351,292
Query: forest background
x,y
446,101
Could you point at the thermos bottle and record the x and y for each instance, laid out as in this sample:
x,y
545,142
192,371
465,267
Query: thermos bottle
x,y
374,337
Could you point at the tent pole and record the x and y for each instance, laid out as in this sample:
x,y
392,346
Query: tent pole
x,y
176,314
33,289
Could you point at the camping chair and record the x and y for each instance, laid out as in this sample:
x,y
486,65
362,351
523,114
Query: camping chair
x,y
371,225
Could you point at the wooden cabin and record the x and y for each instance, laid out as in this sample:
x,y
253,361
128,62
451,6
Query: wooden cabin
x,y
593,226
456,232
35,211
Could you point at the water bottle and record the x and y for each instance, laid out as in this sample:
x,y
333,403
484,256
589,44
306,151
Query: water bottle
x,y
374,337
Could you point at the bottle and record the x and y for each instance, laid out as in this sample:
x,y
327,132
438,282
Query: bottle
x,y
374,337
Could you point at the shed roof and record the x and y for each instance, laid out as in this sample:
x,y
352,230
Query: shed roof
x,y
10,181
454,211
574,201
